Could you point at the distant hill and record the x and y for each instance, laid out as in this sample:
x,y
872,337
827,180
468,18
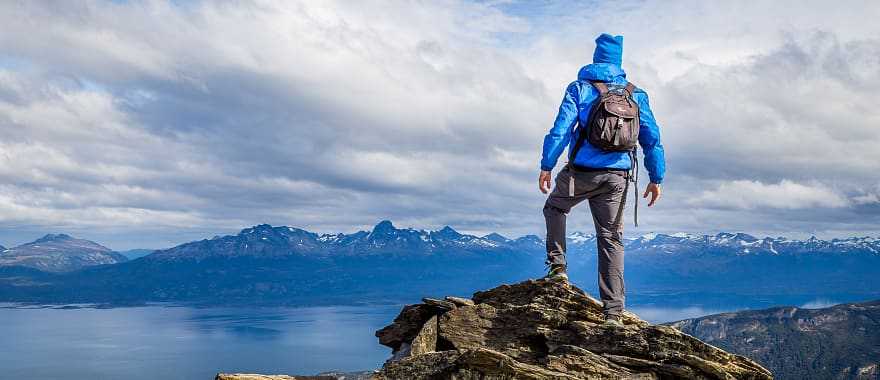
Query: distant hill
x,y
132,254
59,253
286,265
839,342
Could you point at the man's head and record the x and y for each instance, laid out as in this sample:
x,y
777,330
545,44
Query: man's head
x,y
609,49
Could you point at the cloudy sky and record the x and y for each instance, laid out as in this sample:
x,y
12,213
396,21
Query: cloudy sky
x,y
147,124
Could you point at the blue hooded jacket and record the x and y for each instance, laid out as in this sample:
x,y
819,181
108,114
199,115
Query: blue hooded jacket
x,y
576,105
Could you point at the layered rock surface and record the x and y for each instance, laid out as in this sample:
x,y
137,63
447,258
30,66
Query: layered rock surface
x,y
541,329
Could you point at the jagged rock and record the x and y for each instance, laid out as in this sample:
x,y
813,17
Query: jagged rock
x,y
440,304
550,330
405,327
401,352
473,364
460,301
426,340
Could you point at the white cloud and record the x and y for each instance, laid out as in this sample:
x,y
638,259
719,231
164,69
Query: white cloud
x,y
867,196
749,195
332,115
867,199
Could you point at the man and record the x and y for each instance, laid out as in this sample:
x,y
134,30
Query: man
x,y
597,175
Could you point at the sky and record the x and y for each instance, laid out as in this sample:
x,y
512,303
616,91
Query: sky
x,y
145,124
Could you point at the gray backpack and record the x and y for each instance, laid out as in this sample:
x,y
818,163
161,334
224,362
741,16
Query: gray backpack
x,y
613,126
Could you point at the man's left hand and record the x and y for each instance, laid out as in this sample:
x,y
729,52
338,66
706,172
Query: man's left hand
x,y
654,190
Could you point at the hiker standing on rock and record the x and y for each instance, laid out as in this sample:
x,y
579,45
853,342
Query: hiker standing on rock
x,y
602,119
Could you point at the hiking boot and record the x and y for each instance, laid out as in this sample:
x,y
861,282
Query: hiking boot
x,y
613,321
557,272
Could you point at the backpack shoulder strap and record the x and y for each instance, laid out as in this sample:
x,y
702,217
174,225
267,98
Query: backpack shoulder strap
x,y
581,132
630,88
602,87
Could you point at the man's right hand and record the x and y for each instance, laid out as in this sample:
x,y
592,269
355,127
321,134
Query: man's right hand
x,y
544,181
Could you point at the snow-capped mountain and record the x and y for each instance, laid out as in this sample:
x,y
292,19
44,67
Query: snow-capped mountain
x,y
731,243
290,265
385,238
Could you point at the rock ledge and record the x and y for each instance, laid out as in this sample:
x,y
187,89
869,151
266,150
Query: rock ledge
x,y
539,330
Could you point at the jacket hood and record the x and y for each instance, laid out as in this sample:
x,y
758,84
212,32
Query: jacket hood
x,y
603,72
609,49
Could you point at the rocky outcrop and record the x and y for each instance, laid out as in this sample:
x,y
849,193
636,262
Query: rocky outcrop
x,y
541,329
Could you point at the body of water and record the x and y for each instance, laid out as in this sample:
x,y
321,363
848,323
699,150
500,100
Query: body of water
x,y
157,342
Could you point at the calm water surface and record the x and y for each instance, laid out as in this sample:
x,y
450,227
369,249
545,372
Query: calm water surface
x,y
188,343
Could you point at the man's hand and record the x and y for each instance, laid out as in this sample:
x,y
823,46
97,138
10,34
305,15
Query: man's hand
x,y
654,190
544,181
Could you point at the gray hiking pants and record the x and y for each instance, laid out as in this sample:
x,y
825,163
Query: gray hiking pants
x,y
605,192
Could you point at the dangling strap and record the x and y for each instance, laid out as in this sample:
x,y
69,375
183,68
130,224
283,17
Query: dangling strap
x,y
631,176
635,164
618,220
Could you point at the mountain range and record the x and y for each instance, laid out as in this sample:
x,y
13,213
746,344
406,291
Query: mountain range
x,y
286,265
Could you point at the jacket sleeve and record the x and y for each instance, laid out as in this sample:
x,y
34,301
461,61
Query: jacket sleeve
x,y
649,139
558,137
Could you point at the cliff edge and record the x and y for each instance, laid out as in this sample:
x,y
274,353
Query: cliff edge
x,y
538,330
